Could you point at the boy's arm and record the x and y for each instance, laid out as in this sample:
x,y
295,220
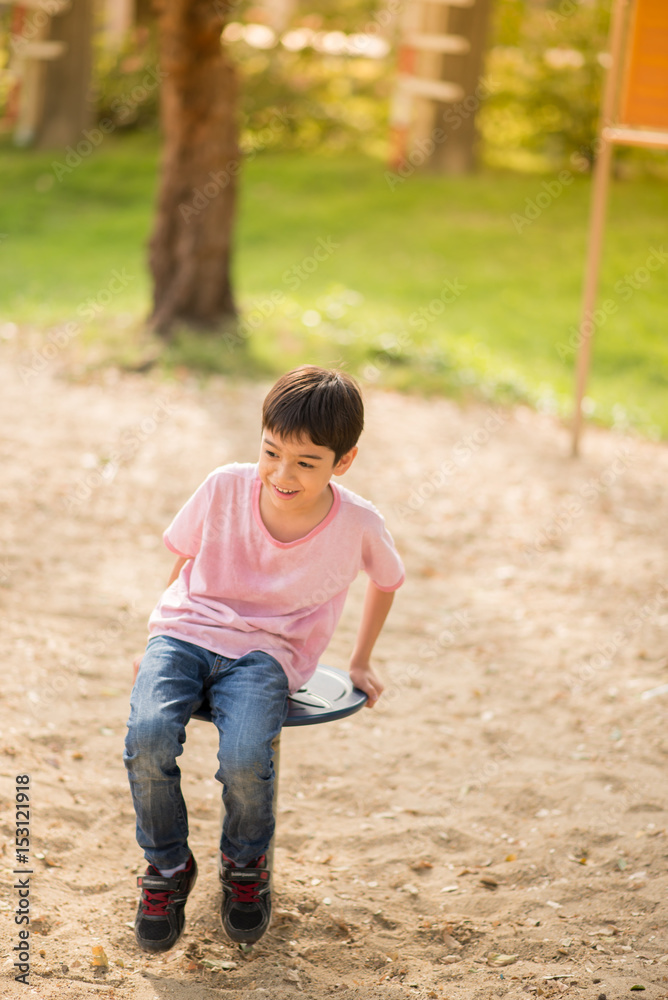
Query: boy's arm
x,y
377,604
178,566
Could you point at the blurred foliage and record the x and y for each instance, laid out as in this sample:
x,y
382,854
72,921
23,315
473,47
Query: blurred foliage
x,y
7,79
126,82
293,100
545,64
313,101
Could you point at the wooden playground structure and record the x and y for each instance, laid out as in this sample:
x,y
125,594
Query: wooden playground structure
x,y
634,113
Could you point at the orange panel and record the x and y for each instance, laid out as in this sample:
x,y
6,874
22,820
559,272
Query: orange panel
x,y
645,94
406,60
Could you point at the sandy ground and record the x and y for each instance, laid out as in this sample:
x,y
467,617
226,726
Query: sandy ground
x,y
507,797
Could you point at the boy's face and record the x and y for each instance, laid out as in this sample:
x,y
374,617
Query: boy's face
x,y
295,472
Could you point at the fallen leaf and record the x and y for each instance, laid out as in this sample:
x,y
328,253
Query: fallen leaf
x,y
500,960
99,959
216,966
450,942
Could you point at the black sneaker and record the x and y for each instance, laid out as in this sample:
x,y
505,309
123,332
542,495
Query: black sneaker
x,y
246,906
160,914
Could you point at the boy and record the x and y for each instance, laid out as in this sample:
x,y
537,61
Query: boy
x,y
265,555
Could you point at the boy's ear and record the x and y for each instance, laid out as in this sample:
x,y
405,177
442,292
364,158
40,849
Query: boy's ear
x,y
345,462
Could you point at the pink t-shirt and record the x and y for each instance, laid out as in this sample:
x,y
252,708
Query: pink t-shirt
x,y
243,590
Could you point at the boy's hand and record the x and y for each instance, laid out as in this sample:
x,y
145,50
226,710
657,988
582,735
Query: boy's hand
x,y
366,680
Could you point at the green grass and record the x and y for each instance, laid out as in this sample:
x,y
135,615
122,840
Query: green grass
x,y
397,244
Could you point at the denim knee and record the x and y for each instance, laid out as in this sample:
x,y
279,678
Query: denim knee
x,y
247,763
153,743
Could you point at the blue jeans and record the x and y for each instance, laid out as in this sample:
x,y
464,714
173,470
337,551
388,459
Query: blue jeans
x,y
249,703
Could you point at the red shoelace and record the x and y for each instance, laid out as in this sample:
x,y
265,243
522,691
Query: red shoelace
x,y
245,892
154,904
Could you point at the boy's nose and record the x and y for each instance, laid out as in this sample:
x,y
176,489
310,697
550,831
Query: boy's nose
x,y
285,473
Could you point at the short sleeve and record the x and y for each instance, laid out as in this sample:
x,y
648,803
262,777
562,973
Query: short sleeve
x,y
380,559
184,534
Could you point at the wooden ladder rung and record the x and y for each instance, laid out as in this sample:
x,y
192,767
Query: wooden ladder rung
x,y
436,90
451,44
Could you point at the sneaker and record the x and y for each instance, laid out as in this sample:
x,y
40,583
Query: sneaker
x,y
160,914
246,906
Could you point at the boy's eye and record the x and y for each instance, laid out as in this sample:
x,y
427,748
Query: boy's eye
x,y
272,454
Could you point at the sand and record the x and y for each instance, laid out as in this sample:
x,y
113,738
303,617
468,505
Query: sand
x,y
507,796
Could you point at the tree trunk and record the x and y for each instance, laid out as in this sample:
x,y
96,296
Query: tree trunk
x,y
190,249
63,104
457,154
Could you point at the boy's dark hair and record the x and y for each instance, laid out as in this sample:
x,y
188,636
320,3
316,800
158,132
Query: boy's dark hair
x,y
324,403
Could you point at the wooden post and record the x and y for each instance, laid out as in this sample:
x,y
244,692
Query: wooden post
x,y
597,218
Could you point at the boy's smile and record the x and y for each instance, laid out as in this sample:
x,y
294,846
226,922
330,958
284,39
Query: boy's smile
x,y
295,474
